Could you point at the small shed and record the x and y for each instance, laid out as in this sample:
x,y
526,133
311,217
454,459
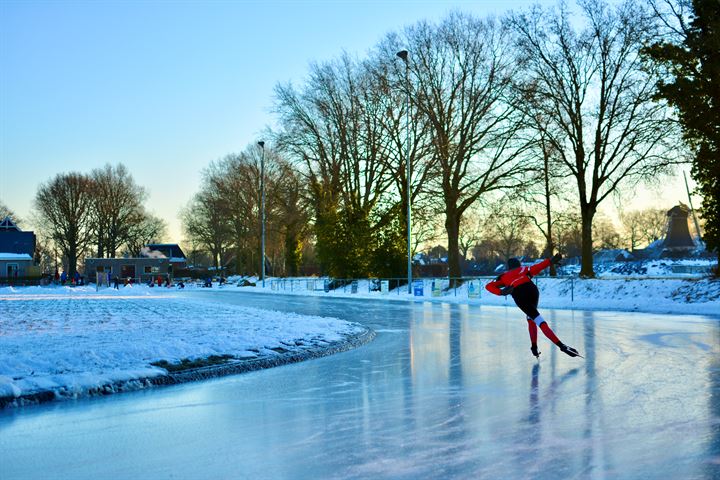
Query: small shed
x,y
139,269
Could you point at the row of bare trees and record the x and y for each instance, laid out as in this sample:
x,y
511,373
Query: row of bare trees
x,y
541,105
223,218
100,214
503,233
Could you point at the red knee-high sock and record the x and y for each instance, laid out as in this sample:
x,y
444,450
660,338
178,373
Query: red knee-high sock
x,y
532,329
549,333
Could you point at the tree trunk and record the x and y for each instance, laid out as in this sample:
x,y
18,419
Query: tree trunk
x,y
586,266
550,246
72,263
452,226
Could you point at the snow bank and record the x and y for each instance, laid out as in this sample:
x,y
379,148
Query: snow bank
x,y
80,343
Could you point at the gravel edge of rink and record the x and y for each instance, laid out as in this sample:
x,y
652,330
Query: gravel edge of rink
x,y
198,374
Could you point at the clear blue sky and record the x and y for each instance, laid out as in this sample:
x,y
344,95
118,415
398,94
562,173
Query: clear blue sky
x,y
165,86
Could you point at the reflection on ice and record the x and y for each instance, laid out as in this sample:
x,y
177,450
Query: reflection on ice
x,y
443,392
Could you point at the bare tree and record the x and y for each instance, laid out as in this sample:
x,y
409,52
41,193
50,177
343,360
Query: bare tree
x,y
64,205
150,229
403,127
653,225
293,216
509,227
333,128
568,233
470,233
204,223
461,73
606,235
235,180
117,207
642,227
6,212
596,94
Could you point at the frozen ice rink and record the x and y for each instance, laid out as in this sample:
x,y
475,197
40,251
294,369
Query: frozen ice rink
x,y
445,391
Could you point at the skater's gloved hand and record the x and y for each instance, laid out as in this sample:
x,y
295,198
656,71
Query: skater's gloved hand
x,y
556,259
507,290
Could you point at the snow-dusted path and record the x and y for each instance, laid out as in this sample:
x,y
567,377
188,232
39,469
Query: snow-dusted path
x,y
445,391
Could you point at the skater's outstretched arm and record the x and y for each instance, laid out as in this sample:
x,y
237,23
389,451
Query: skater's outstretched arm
x,y
539,267
495,286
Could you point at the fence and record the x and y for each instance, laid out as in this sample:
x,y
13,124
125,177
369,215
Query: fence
x,y
470,286
464,287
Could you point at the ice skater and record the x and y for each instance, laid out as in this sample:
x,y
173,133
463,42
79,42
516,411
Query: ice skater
x,y
517,281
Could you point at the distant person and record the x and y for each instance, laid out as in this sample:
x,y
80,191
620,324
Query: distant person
x,y
76,278
181,285
63,278
517,282
57,276
116,283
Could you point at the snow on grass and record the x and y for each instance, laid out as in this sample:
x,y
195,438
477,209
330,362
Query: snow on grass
x,y
77,341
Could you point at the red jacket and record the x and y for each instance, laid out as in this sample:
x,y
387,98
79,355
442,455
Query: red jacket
x,y
516,277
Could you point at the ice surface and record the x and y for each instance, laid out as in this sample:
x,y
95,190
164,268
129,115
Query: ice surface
x,y
445,391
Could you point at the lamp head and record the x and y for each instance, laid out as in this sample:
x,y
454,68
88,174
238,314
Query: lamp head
x,y
403,54
261,144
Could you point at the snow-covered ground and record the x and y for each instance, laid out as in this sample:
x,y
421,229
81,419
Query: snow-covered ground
x,y
75,341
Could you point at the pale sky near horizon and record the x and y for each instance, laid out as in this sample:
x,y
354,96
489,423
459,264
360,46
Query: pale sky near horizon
x,y
165,87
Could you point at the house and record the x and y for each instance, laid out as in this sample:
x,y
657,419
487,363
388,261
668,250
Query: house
x,y
172,251
154,260
17,251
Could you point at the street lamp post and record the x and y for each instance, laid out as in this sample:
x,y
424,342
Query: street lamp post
x,y
403,54
262,208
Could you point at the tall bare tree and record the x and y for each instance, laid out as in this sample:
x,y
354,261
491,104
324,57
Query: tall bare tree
x,y
64,205
596,93
204,222
461,73
333,128
293,215
117,208
235,180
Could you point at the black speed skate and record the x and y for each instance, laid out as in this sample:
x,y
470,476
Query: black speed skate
x,y
568,350
534,351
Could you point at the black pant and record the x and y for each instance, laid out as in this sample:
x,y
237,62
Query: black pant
x,y
526,297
